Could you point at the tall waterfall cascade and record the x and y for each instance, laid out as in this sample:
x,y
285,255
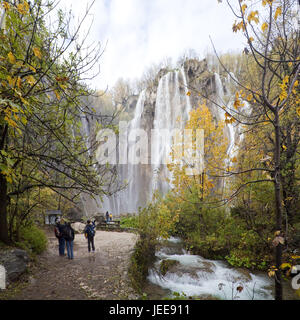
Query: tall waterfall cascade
x,y
159,109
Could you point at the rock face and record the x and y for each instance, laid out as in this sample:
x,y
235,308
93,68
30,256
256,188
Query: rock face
x,y
15,262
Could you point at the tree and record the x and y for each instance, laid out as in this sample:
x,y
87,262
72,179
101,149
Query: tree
x,y
42,104
272,35
198,187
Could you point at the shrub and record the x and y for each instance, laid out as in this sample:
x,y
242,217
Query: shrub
x,y
129,222
141,260
32,239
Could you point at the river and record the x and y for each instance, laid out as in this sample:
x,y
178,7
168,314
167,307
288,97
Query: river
x,y
194,276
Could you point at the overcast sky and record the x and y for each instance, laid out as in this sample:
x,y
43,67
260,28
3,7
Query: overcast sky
x,y
138,33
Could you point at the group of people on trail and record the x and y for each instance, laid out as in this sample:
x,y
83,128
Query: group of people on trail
x,y
66,235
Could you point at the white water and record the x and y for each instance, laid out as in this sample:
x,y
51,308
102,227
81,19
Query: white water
x,y
197,276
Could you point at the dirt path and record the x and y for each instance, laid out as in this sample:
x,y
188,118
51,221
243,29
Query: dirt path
x,y
99,275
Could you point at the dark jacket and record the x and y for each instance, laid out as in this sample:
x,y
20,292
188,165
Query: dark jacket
x,y
90,230
68,232
58,230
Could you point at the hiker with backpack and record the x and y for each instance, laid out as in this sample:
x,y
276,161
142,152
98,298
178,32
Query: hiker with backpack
x,y
69,235
89,233
58,233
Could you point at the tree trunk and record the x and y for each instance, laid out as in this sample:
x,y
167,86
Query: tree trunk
x,y
3,210
278,208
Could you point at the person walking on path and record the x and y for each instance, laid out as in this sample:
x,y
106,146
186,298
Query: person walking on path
x,y
89,233
58,233
107,216
69,236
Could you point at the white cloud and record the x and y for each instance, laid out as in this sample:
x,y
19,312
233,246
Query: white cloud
x,y
142,32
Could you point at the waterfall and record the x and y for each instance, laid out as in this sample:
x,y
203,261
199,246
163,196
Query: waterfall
x,y
172,107
133,168
165,114
90,204
231,129
128,200
187,98
171,112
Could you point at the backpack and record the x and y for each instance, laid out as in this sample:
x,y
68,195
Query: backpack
x,y
90,231
67,233
56,231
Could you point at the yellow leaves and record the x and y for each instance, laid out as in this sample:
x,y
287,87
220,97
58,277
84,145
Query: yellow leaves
x,y
238,103
298,111
64,87
284,147
253,16
251,39
23,100
6,5
188,93
30,79
227,115
283,95
24,120
10,122
264,2
19,82
285,265
57,94
228,118
278,12
244,7
14,81
11,58
238,26
234,159
271,273
283,86
37,52
264,27
285,80
249,97
23,8
32,68
10,81
210,185
294,87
